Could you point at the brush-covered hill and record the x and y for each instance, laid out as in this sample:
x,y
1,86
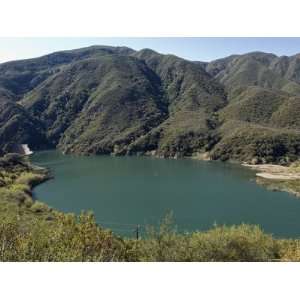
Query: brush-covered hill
x,y
257,69
17,78
120,101
261,121
103,100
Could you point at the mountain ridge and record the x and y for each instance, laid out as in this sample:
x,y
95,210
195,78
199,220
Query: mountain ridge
x,y
115,100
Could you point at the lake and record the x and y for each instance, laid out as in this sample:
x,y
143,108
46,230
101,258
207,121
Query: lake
x,y
125,191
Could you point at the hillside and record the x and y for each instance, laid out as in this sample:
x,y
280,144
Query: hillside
x,y
261,121
17,126
114,100
257,69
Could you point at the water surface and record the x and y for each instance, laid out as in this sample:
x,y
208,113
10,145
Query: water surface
x,y
141,190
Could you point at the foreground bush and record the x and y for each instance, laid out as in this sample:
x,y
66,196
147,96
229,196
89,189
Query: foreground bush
x,y
71,238
235,243
67,238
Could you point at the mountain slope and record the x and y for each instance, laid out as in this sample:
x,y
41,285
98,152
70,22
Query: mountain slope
x,y
20,77
113,103
18,127
102,100
257,69
261,121
192,97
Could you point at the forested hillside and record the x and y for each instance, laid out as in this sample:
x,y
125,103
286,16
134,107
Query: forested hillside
x,y
114,100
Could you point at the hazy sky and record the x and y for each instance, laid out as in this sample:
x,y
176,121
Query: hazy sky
x,y
204,49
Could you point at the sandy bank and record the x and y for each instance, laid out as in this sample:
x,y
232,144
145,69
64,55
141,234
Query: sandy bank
x,y
275,172
201,156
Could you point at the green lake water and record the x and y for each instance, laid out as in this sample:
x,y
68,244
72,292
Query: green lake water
x,y
124,191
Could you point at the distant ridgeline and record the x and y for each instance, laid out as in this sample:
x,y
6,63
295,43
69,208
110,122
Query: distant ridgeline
x,y
114,100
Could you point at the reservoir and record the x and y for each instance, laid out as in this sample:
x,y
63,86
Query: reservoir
x,y
126,191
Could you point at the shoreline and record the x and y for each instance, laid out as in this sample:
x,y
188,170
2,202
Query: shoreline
x,y
274,172
271,176
277,177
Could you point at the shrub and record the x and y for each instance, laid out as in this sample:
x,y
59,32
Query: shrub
x,y
39,207
234,243
290,250
29,179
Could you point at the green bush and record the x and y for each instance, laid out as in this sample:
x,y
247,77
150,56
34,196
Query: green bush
x,y
68,238
29,179
39,207
235,243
